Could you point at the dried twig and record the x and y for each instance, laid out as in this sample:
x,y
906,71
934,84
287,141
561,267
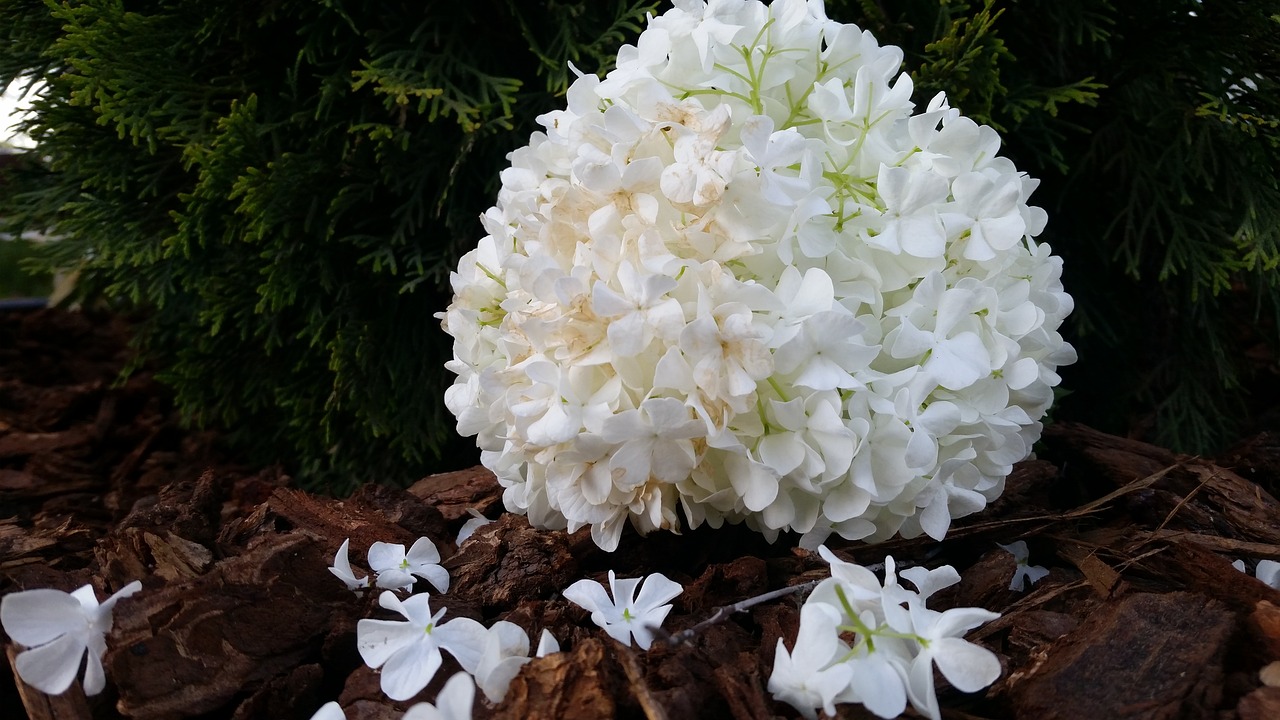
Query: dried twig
x,y
724,612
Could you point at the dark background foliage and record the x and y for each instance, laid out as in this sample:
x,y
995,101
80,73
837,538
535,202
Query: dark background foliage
x,y
282,188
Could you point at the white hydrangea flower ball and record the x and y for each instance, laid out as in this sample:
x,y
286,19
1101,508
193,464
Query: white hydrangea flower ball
x,y
739,280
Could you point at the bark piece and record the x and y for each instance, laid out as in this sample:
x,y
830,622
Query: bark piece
x,y
742,578
1211,574
1263,626
508,561
22,444
135,553
453,493
1222,502
337,519
284,694
1115,459
1145,656
686,677
585,683
404,509
1034,629
1261,704
18,543
191,647
185,508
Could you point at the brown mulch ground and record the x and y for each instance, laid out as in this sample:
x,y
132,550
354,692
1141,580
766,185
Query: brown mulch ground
x,y
1141,616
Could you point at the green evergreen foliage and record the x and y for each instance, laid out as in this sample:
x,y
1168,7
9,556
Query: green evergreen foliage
x,y
1154,126
285,186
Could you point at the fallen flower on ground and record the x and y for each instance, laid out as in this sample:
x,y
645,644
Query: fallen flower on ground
x,y
1026,572
1268,571
396,569
454,702
809,677
475,522
547,644
506,650
342,569
967,666
409,652
59,628
626,615
330,711
876,644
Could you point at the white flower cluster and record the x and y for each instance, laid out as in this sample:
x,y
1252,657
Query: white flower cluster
x,y
876,644
740,280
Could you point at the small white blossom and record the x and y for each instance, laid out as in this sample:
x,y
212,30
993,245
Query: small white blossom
x,y
626,615
968,667
1025,572
396,569
409,652
810,676
506,650
59,629
1268,571
547,644
454,702
330,711
342,569
876,644
475,522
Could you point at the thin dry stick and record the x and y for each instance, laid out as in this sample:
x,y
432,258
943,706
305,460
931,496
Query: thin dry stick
x,y
724,612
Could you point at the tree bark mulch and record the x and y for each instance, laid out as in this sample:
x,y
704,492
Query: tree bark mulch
x,y
1141,616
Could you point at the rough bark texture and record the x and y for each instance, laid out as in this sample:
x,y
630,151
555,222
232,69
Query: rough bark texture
x,y
1141,616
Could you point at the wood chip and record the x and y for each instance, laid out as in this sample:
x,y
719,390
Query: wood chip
x,y
1144,656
